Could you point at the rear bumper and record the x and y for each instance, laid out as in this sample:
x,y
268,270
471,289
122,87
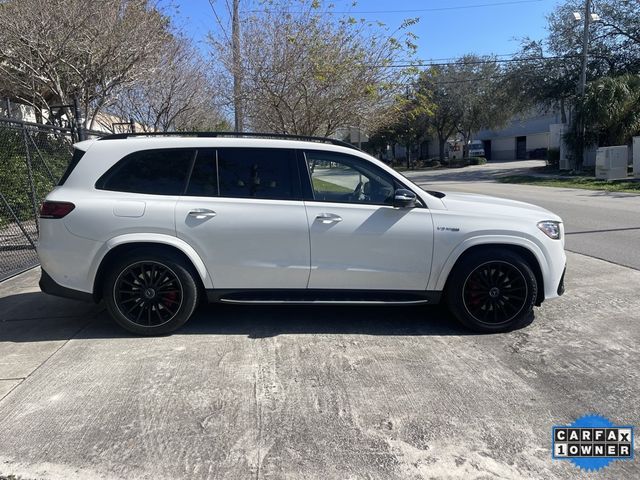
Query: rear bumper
x,y
48,285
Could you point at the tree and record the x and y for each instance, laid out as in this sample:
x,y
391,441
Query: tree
x,y
307,72
60,49
403,121
176,93
465,96
484,101
537,80
611,113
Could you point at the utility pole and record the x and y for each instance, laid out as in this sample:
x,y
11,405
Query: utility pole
x,y
406,123
237,66
585,46
583,75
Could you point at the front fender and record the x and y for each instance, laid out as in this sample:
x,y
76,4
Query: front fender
x,y
152,238
437,282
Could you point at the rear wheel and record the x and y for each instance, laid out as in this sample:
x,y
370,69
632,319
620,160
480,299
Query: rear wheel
x,y
492,291
150,294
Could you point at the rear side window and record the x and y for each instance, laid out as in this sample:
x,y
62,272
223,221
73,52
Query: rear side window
x,y
267,173
157,172
77,155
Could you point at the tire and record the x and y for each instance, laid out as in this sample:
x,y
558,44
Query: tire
x,y
492,291
150,293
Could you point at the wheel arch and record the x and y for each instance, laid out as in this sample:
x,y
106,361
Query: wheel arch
x,y
119,246
530,253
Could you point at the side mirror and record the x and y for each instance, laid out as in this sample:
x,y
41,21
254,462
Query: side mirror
x,y
404,198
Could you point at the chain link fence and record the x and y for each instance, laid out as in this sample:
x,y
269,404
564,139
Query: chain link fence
x,y
32,159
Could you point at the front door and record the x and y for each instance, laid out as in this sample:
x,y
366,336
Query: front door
x,y
359,240
243,213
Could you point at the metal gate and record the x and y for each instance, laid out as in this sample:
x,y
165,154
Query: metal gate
x,y
32,159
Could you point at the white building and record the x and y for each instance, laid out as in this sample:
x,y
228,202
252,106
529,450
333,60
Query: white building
x,y
526,136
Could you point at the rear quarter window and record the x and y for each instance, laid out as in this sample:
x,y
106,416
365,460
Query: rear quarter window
x,y
156,172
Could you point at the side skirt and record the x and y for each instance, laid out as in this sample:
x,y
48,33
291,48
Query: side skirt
x,y
323,297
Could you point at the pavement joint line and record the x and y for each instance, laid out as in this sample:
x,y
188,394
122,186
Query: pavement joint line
x,y
9,392
51,356
15,378
603,259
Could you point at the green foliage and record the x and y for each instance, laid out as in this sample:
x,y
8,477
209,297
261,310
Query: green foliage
x,y
466,161
47,162
477,161
585,183
553,156
610,114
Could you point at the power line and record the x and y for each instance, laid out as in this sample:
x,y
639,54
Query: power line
x,y
428,63
417,10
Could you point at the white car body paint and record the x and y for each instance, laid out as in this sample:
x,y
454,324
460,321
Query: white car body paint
x,y
254,243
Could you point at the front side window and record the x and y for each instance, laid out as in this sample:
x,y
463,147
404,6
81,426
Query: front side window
x,y
341,178
266,173
157,172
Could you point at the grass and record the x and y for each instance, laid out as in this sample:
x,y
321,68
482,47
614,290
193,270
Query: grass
x,y
324,186
586,183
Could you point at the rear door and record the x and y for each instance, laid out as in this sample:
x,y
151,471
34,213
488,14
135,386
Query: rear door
x,y
243,213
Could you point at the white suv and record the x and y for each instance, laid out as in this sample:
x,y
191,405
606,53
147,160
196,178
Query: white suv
x,y
153,224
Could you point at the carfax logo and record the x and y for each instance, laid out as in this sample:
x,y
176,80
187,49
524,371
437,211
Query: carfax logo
x,y
592,442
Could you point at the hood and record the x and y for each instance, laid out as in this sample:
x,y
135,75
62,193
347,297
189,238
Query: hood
x,y
475,203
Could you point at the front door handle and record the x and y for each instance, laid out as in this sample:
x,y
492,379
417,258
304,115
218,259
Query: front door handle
x,y
201,213
329,218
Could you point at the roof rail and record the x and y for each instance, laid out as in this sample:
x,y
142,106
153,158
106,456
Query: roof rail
x,y
284,136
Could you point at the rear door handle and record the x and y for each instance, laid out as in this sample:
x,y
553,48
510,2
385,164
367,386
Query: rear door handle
x,y
329,218
201,213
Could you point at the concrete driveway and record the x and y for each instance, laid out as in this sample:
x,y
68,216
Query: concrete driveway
x,y
317,393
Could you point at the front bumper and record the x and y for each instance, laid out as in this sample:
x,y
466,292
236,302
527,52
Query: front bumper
x,y
561,284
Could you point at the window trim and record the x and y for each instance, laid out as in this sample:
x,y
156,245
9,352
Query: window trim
x,y
310,194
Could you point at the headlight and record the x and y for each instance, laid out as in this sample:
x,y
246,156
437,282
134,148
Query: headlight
x,y
550,228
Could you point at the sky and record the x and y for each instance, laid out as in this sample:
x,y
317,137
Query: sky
x,y
447,28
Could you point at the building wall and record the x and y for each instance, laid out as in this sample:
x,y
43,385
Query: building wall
x,y
538,140
534,126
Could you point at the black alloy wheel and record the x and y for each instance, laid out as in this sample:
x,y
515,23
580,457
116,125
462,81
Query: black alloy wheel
x,y
148,293
492,290
495,292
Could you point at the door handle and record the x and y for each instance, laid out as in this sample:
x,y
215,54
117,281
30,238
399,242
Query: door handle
x,y
329,218
201,213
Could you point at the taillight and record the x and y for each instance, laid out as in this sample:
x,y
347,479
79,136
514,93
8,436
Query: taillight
x,y
55,209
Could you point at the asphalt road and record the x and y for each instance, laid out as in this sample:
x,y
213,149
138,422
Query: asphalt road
x,y
604,225
316,393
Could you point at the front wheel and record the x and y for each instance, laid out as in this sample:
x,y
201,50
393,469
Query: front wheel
x,y
150,294
492,291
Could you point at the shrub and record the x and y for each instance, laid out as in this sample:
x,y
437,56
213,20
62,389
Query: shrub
x,y
553,156
477,160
